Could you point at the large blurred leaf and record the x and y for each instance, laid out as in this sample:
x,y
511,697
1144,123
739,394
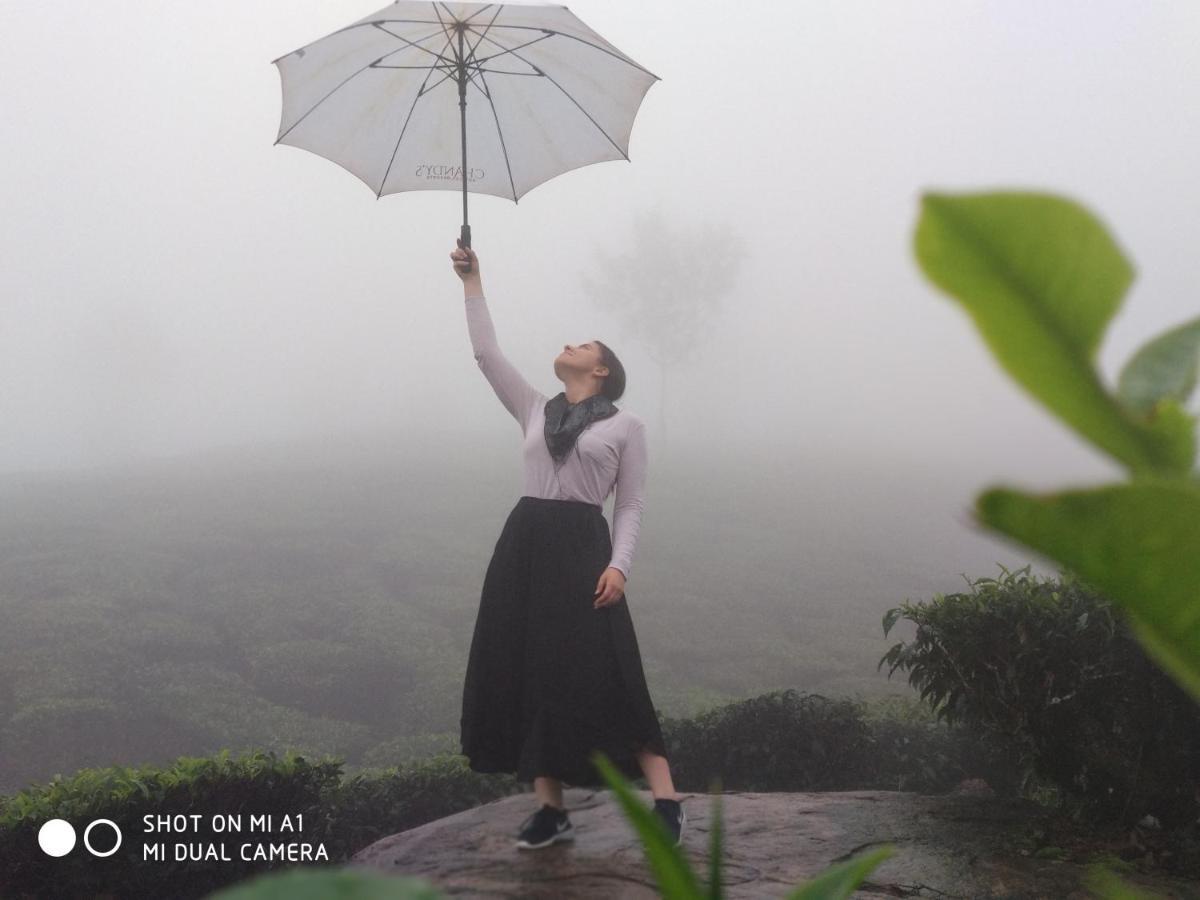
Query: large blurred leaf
x,y
1041,277
1137,543
841,879
676,880
1165,367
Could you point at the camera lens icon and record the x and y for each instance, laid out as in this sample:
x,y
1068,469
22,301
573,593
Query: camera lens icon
x,y
56,837
88,831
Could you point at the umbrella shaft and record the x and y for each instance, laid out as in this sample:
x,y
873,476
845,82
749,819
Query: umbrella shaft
x,y
462,112
462,109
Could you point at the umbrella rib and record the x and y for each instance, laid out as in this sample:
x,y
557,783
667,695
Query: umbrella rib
x,y
346,79
569,97
475,46
375,22
503,148
583,41
414,44
449,40
470,62
436,83
407,119
490,71
468,69
518,47
549,33
301,49
443,24
478,63
472,15
484,89
438,57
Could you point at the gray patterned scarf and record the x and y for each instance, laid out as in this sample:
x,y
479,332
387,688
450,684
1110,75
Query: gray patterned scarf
x,y
565,421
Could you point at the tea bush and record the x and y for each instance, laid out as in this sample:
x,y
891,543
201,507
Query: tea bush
x,y
1051,669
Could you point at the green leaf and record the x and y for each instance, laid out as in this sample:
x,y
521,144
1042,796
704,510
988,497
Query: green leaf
x,y
1041,277
838,881
889,619
1164,367
1137,543
1177,429
676,880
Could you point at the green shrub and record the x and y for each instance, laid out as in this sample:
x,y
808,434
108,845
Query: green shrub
x,y
912,749
783,741
371,805
253,783
1052,670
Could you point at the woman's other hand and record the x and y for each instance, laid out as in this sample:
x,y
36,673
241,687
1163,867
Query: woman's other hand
x,y
466,263
610,589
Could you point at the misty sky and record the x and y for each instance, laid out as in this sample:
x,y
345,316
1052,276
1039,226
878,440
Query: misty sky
x,y
172,281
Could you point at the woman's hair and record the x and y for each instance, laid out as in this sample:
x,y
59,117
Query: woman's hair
x,y
614,381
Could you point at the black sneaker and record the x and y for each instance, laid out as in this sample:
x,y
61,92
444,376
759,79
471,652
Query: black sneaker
x,y
673,816
544,827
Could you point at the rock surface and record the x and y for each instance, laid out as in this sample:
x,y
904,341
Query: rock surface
x,y
947,846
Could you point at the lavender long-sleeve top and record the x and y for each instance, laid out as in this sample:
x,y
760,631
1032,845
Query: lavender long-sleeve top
x,y
610,453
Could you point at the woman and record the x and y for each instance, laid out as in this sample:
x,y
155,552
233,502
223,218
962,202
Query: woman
x,y
554,671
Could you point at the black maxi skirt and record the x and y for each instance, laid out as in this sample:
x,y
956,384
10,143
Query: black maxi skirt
x,y
550,678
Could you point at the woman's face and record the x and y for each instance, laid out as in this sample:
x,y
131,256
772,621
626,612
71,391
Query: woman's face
x,y
581,358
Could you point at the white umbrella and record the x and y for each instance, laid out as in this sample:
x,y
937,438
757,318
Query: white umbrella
x,y
379,97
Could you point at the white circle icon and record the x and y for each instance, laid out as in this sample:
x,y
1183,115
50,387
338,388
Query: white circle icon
x,y
56,837
87,831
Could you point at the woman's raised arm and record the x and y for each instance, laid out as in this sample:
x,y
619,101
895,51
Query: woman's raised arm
x,y
519,397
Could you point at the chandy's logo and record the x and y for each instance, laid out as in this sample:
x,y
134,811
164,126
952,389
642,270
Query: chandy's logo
x,y
447,173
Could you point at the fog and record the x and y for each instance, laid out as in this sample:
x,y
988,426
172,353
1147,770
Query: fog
x,y
173,281
241,421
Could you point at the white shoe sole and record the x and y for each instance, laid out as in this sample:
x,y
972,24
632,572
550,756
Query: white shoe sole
x,y
566,835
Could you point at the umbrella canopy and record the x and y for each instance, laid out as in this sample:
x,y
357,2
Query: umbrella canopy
x,y
386,97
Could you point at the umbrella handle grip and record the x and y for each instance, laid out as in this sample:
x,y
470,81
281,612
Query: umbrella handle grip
x,y
465,241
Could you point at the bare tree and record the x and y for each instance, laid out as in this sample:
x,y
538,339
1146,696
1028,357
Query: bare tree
x,y
665,290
